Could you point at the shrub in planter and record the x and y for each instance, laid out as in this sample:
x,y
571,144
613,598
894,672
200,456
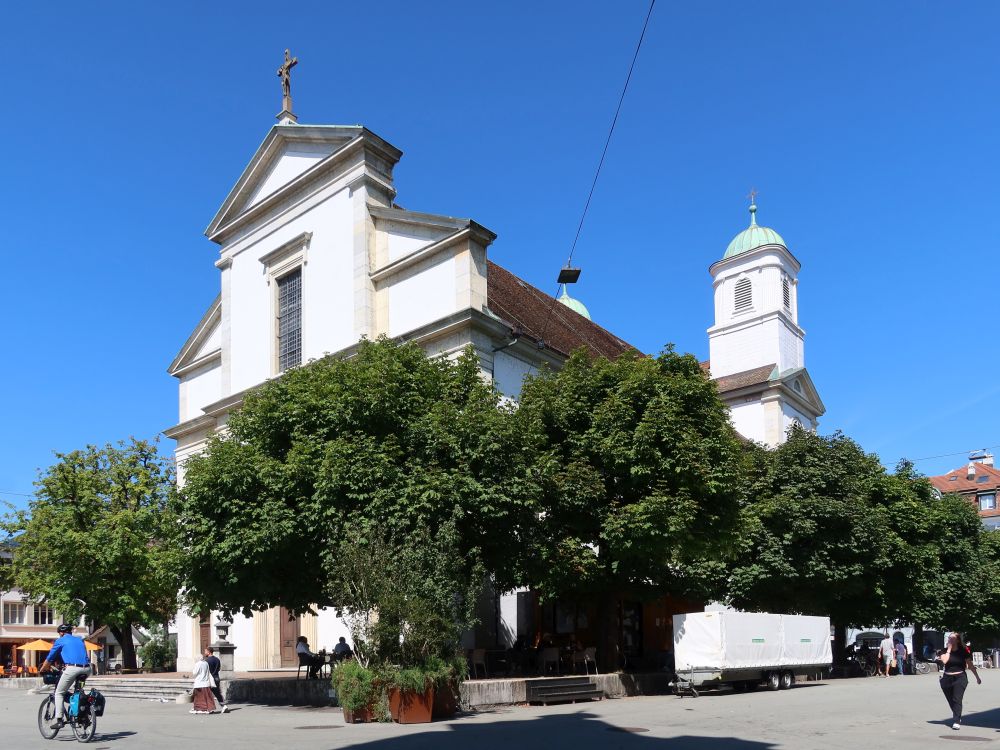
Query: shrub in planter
x,y
357,691
411,696
447,675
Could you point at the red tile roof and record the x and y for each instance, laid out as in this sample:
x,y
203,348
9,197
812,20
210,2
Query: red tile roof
x,y
960,484
532,313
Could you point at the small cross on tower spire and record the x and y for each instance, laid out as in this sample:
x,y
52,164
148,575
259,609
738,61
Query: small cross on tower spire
x,y
753,205
286,116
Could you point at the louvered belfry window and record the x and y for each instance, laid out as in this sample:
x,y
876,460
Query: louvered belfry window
x,y
787,292
744,295
290,320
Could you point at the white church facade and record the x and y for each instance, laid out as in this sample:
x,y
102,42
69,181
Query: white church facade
x,y
315,254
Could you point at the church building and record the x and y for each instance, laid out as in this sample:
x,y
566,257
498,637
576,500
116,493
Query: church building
x,y
315,253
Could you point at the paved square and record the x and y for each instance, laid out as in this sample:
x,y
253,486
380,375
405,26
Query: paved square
x,y
907,712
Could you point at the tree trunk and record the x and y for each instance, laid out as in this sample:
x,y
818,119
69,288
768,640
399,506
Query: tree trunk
x,y
839,643
918,640
124,637
609,632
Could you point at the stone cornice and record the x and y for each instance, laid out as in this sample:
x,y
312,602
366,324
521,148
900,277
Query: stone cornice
x,y
481,234
197,335
719,265
198,424
207,359
749,322
294,245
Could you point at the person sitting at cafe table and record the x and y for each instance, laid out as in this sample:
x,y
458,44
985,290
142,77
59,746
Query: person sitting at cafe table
x,y
314,661
342,651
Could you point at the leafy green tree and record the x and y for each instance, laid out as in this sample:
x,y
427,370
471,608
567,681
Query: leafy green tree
x,y
406,599
944,563
637,472
337,454
97,539
816,541
159,652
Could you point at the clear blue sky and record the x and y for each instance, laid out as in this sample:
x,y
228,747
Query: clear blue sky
x,y
870,130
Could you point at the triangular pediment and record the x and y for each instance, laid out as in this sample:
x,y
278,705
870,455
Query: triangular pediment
x,y
289,154
204,343
799,382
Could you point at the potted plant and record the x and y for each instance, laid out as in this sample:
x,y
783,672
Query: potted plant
x,y
411,696
447,675
357,691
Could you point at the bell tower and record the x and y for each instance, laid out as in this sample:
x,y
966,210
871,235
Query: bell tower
x,y
756,304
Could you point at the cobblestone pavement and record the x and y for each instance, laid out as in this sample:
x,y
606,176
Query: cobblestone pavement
x,y
855,714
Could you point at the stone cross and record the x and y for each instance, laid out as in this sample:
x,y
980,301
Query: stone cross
x,y
285,74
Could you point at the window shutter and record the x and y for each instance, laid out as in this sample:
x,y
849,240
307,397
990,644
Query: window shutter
x,y
744,295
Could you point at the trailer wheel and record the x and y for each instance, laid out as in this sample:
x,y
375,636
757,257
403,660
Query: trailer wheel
x,y
787,680
774,680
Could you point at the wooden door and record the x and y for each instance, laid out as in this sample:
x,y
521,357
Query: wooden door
x,y
205,633
288,635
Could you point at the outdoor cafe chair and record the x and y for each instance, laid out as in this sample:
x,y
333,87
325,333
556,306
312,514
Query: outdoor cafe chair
x,y
550,655
586,657
479,660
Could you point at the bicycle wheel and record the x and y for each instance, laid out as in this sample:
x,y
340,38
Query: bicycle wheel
x,y
85,725
46,715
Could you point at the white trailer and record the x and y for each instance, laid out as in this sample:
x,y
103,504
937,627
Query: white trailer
x,y
745,649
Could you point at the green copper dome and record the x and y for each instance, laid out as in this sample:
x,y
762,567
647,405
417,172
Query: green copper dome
x,y
573,304
753,237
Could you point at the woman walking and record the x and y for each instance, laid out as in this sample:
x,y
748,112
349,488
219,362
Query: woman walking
x,y
956,658
204,702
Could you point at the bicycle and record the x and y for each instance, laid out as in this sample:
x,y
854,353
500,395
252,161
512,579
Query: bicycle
x,y
80,711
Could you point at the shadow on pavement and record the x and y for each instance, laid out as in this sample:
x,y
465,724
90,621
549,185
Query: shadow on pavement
x,y
577,731
110,736
989,719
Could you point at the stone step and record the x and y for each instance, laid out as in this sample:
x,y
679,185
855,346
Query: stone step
x,y
567,696
137,689
562,690
549,685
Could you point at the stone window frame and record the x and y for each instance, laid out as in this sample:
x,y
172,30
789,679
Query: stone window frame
x,y
287,258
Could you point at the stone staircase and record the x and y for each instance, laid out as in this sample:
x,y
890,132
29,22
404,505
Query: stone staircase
x,y
562,690
141,689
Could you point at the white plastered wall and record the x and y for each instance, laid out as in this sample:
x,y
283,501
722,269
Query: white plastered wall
x,y
327,292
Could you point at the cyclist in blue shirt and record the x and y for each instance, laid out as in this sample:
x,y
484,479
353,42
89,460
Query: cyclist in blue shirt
x,y
73,653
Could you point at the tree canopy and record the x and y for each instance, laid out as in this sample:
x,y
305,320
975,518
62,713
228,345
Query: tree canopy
x,y
97,539
384,444
829,532
638,469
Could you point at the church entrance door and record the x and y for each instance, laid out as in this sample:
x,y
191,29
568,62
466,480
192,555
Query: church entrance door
x,y
204,633
288,635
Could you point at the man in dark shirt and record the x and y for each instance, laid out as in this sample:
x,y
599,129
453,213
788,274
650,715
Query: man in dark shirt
x,y
214,666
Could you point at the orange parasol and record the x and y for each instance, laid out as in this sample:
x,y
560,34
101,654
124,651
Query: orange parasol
x,y
38,645
91,646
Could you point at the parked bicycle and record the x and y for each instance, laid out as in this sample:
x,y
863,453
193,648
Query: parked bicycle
x,y
80,712
862,664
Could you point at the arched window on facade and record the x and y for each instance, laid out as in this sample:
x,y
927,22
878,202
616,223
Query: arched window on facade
x,y
743,295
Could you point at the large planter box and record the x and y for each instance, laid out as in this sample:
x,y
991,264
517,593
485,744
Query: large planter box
x,y
361,716
408,707
445,702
